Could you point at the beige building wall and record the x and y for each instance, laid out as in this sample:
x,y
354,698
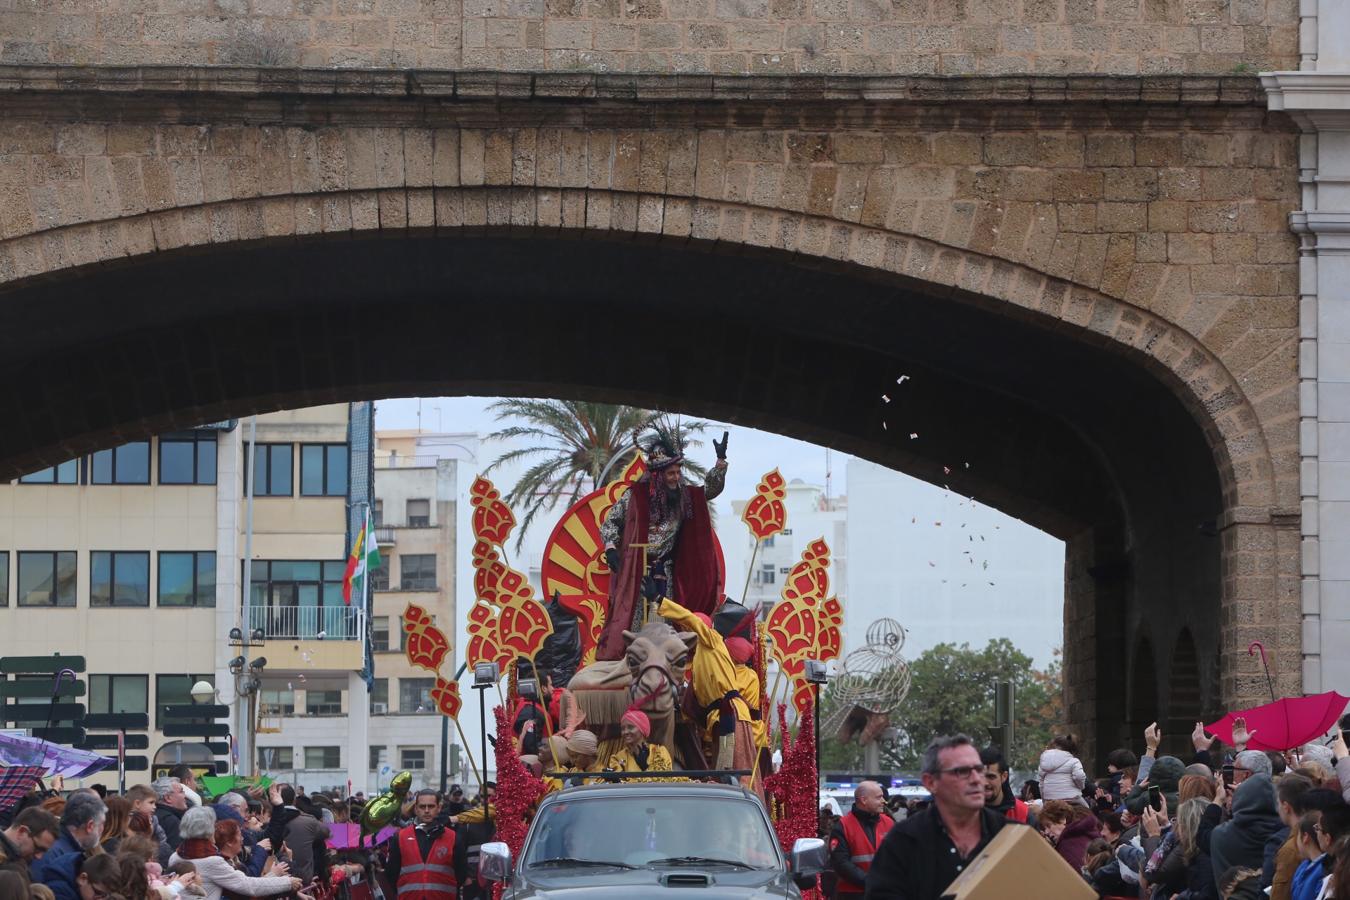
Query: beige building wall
x,y
154,640
402,476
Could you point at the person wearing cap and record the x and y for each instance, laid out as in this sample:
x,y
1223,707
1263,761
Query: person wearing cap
x,y
727,720
637,755
747,685
661,529
583,749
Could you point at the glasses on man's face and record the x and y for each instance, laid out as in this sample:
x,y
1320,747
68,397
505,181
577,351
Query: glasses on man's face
x,y
963,772
1240,774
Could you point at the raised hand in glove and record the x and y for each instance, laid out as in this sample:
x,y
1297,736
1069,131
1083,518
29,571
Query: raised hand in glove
x,y
652,589
613,559
721,448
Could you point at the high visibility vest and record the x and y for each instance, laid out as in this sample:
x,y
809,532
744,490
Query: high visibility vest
x,y
427,879
1018,812
860,849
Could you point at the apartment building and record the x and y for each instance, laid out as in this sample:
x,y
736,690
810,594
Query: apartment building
x,y
414,513
134,557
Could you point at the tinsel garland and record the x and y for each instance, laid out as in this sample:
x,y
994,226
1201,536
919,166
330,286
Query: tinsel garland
x,y
517,789
795,787
758,661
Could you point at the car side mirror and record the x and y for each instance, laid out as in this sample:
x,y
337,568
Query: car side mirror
x,y
494,862
809,857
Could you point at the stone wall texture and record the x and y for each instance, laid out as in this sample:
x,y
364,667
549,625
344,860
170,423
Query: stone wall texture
x,y
937,37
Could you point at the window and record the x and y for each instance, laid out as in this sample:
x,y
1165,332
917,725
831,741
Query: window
x,y
276,759
323,470
377,513
414,695
127,464
46,578
412,757
766,574
323,757
419,513
174,690
119,578
376,753
379,697
4,587
379,634
273,478
119,694
66,473
187,579
187,457
277,702
379,576
323,703
299,599
768,542
417,571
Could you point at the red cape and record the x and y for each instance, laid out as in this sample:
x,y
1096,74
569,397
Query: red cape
x,y
695,567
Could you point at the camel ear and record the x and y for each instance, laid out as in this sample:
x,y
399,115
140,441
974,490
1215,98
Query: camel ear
x,y
629,637
690,640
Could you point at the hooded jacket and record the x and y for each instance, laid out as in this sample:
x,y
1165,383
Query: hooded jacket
x,y
1241,841
1165,774
1062,776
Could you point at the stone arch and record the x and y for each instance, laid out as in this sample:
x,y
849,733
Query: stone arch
x,y
1195,375
1185,686
1143,686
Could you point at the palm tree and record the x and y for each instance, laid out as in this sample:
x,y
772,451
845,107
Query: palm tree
x,y
575,443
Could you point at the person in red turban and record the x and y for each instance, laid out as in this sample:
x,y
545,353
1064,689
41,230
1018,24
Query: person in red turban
x,y
637,755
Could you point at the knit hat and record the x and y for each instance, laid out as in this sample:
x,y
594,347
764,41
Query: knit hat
x,y
557,745
740,649
582,743
639,720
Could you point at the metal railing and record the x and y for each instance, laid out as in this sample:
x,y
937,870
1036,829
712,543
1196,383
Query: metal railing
x,y
307,623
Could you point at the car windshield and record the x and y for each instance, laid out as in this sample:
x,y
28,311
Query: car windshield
x,y
661,831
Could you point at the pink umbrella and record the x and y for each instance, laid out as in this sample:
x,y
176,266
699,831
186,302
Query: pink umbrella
x,y
1285,724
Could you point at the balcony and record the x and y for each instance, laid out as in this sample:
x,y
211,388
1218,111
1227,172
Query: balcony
x,y
307,623
384,536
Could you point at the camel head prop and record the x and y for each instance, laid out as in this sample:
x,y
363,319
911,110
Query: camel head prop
x,y
656,657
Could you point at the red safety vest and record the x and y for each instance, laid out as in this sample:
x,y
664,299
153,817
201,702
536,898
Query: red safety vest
x,y
860,849
1018,811
427,879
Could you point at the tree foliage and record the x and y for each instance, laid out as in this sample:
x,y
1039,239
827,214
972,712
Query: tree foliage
x,y
570,444
952,690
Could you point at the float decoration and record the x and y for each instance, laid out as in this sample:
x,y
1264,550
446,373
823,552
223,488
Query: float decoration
x,y
795,787
517,789
492,519
427,645
446,697
765,515
806,623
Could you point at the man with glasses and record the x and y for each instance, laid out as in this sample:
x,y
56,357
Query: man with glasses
x,y
28,837
925,853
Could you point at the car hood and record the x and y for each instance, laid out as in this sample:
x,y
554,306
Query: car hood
x,y
722,884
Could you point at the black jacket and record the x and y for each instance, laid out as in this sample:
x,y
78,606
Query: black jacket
x,y
916,862
1241,841
169,819
840,852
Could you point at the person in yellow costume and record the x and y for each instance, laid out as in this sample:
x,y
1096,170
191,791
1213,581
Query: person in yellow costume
x,y
582,749
729,725
747,683
637,755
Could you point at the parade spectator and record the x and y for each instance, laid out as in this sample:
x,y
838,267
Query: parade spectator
x,y
1312,870
998,794
1282,857
187,777
96,877
1061,774
854,840
1241,841
116,825
170,803
298,830
216,873
1069,828
923,854
27,838
81,827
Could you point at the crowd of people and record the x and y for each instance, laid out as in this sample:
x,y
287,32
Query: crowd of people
x,y
166,841
1240,823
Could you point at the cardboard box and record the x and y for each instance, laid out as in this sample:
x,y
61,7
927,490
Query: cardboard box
x,y
1018,864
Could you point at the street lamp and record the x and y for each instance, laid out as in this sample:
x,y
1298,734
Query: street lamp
x,y
202,692
816,675
485,675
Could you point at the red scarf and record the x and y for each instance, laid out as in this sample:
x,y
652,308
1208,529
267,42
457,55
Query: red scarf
x,y
197,848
